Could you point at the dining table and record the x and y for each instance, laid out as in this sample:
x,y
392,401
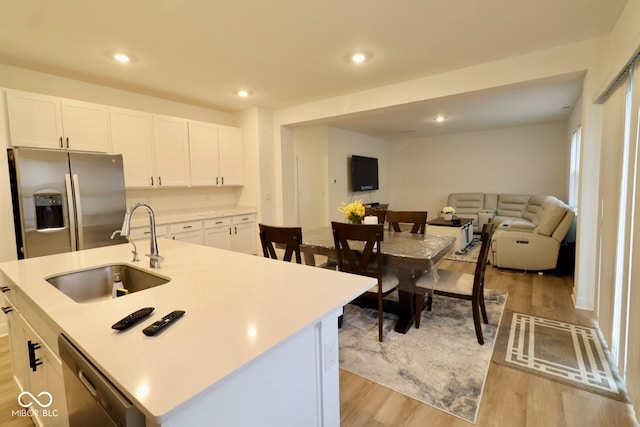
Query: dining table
x,y
408,255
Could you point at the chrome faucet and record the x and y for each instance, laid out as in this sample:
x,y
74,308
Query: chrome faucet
x,y
154,256
135,249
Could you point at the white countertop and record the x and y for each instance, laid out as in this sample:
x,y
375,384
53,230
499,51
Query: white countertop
x,y
140,217
237,307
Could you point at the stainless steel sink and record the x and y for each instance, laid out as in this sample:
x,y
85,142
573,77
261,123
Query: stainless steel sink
x,y
95,284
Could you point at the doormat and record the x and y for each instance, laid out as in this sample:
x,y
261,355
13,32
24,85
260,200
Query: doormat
x,y
571,354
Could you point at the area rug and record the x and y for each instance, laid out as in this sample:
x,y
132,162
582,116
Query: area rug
x,y
469,254
440,364
571,354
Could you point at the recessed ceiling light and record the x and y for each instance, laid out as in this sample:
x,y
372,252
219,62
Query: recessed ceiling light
x,y
243,93
440,118
121,57
358,58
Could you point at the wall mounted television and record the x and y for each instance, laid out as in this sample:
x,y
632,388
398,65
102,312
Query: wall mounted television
x,y
364,173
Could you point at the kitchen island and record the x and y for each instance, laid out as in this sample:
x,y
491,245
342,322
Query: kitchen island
x,y
258,344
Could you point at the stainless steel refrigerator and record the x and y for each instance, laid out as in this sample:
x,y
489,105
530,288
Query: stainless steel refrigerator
x,y
65,201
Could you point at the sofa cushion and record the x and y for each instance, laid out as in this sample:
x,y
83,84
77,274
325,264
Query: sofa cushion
x,y
535,203
549,216
466,203
512,205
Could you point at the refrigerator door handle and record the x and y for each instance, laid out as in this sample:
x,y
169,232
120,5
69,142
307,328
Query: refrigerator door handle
x,y
70,210
77,199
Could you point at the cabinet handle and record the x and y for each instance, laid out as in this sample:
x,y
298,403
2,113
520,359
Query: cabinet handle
x,y
159,180
229,231
67,142
223,180
187,227
218,222
61,146
34,362
151,181
7,310
235,229
5,289
216,180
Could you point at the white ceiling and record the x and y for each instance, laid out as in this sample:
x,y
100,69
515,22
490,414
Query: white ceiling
x,y
289,52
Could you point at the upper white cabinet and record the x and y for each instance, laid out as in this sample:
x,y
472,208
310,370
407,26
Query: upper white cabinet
x,y
131,136
230,155
171,151
215,154
43,121
155,149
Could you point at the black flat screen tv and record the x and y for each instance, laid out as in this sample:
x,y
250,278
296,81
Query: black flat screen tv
x,y
364,173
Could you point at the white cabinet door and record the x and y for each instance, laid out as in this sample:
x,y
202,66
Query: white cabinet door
x,y
244,234
43,121
19,356
131,136
203,153
86,126
230,152
34,120
36,369
218,237
171,151
45,375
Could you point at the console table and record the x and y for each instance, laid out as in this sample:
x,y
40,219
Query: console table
x,y
462,231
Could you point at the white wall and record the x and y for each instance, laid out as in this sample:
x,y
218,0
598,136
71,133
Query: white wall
x,y
311,151
522,160
342,145
322,157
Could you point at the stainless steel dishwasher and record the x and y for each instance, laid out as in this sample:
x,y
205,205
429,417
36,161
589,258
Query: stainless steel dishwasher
x,y
92,400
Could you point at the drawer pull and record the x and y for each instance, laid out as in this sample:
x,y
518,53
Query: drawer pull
x,y
7,310
187,227
34,362
5,289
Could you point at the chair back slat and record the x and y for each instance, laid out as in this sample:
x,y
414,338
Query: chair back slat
x,y
483,257
357,248
417,219
290,237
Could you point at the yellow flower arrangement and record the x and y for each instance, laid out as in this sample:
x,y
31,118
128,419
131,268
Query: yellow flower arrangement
x,y
353,212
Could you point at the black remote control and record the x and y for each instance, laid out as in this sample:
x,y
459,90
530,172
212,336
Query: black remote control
x,y
156,327
132,319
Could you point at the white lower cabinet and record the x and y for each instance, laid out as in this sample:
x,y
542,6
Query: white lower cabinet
x,y
190,231
244,234
37,371
235,233
218,233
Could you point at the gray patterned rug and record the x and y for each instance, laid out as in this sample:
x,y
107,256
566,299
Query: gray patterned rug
x,y
440,364
469,254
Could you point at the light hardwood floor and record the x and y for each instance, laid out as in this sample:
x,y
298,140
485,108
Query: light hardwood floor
x,y
511,397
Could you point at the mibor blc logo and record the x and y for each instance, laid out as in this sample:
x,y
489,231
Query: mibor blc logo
x,y
28,401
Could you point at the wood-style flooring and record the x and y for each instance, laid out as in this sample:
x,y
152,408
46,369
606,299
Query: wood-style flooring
x,y
511,398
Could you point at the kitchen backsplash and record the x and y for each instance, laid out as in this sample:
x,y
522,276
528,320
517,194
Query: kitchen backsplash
x,y
172,199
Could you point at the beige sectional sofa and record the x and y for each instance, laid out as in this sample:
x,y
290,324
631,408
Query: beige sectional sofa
x,y
529,228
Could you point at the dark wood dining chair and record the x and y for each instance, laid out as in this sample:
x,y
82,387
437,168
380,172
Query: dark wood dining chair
x,y
380,213
364,261
465,286
290,237
417,220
